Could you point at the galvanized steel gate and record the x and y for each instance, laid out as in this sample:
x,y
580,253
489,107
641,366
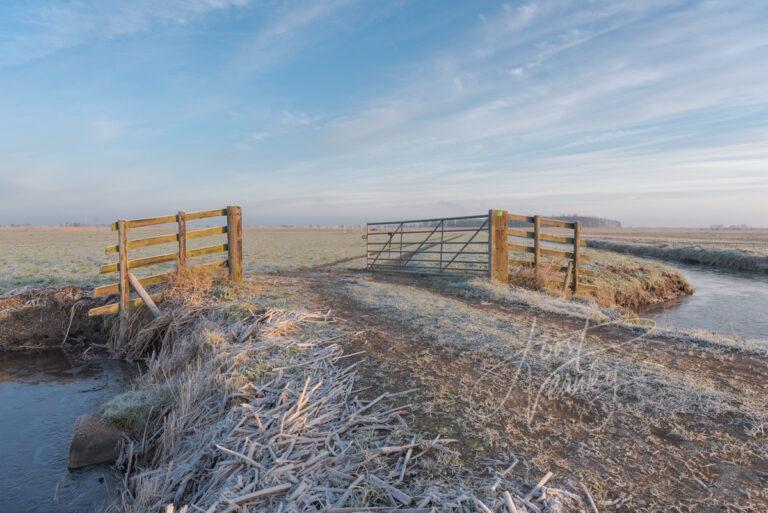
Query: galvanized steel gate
x,y
430,246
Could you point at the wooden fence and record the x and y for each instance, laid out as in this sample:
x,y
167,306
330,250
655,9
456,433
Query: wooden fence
x,y
127,280
539,243
492,244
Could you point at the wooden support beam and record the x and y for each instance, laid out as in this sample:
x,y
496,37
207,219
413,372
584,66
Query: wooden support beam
x,y
182,220
125,289
115,307
499,250
576,255
536,243
235,239
114,288
136,284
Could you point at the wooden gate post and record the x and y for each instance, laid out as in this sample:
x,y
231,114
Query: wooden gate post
x,y
182,219
124,285
536,244
235,242
576,251
499,247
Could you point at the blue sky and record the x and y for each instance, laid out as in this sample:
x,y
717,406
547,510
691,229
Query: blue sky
x,y
654,112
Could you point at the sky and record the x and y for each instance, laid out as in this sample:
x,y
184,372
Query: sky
x,y
651,112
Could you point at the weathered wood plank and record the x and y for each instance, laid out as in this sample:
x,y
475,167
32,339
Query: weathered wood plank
x,y
122,280
235,243
199,233
115,307
536,242
520,218
191,216
576,255
140,262
499,268
208,250
148,281
147,221
182,237
204,214
529,234
148,241
520,248
525,234
556,223
143,295
557,253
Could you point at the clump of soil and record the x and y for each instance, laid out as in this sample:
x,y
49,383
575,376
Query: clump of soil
x,y
45,318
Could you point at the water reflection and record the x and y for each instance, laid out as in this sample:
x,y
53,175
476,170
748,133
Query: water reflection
x,y
41,396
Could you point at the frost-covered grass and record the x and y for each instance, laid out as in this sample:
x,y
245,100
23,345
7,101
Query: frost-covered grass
x,y
715,257
457,327
483,290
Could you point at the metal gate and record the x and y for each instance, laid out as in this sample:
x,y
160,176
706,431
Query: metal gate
x,y
430,246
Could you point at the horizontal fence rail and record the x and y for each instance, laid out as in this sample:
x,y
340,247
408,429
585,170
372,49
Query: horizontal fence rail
x,y
521,241
181,257
493,244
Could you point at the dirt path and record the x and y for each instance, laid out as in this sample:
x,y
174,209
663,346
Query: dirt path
x,y
648,425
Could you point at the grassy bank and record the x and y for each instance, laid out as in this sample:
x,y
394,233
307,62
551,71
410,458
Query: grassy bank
x,y
615,281
250,404
722,258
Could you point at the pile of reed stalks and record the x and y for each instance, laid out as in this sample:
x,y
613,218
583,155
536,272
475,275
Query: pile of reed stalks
x,y
263,415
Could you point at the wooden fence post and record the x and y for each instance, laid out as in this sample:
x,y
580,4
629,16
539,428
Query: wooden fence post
x,y
235,240
499,247
536,243
576,251
182,218
123,282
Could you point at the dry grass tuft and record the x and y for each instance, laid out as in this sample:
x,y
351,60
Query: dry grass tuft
x,y
619,281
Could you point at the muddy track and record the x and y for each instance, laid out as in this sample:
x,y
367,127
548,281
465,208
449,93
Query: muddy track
x,y
676,463
723,368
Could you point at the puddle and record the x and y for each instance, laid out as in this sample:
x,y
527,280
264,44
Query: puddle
x,y
41,396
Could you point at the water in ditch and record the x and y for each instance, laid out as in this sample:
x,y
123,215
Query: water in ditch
x,y
41,396
725,302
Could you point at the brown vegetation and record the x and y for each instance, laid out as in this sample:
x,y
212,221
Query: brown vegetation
x,y
615,281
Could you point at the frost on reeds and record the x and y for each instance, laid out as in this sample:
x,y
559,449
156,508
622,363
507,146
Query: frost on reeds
x,y
260,413
714,257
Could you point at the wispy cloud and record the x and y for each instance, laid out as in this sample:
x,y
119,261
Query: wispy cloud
x,y
56,27
286,31
617,108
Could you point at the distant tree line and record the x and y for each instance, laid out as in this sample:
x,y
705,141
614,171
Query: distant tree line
x,y
589,221
730,227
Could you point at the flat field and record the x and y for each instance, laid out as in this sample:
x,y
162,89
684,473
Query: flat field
x,y
753,241
62,256
40,257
